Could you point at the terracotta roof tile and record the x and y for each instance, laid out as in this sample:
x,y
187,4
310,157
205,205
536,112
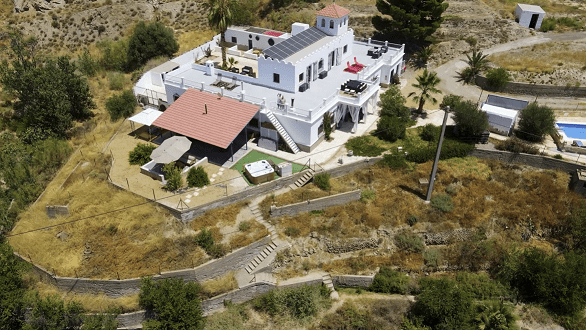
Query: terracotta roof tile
x,y
224,120
333,11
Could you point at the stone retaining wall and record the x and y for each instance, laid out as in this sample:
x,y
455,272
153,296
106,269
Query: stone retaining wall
x,y
117,288
536,90
542,162
353,280
315,204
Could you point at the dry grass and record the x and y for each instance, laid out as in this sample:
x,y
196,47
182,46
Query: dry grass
x,y
543,57
91,302
253,234
191,39
225,216
220,285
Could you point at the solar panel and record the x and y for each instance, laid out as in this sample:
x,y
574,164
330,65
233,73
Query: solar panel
x,y
506,102
294,44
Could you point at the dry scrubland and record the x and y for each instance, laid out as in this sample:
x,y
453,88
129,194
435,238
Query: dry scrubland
x,y
501,201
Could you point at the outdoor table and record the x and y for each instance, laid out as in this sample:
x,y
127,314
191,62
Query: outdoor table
x,y
247,70
371,51
356,85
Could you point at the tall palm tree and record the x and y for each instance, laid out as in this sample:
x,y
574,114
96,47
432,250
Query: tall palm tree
x,y
426,83
476,64
220,17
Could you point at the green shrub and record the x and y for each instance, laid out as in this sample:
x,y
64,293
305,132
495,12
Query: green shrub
x,y
141,154
322,180
548,24
535,121
442,304
442,202
87,64
172,304
412,220
197,177
470,120
390,128
216,251
116,81
172,176
348,317
497,79
430,132
481,286
432,257
569,22
327,122
113,55
243,226
450,100
149,40
292,232
516,145
392,104
121,105
471,41
450,149
389,281
204,239
409,242
367,195
450,190
365,146
393,161
495,315
299,302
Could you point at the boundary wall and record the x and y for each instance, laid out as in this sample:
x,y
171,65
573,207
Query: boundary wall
x,y
118,288
316,204
534,89
543,162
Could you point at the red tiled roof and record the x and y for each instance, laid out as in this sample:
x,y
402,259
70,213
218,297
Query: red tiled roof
x,y
333,11
219,127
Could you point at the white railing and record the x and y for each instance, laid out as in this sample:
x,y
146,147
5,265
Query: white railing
x,y
287,110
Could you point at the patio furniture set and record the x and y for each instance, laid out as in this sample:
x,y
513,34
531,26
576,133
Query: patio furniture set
x,y
353,87
227,85
376,52
354,68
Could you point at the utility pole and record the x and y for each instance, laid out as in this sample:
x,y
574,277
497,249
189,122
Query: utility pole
x,y
437,156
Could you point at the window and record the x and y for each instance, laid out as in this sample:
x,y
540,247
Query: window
x,y
276,78
341,23
234,40
271,41
331,24
320,129
323,22
300,77
175,97
257,38
321,64
345,20
250,36
345,48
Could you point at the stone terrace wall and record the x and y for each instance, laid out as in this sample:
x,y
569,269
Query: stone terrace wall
x,y
536,90
117,288
316,204
531,160
353,280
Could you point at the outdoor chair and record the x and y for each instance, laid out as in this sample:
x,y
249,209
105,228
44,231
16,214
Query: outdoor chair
x,y
358,64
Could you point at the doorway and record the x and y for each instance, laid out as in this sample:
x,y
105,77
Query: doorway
x,y
533,22
249,44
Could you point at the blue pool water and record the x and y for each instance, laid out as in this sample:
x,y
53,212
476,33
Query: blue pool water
x,y
574,131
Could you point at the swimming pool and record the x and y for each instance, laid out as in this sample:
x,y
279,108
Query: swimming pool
x,y
573,131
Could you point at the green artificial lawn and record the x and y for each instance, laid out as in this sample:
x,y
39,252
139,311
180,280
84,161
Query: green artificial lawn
x,y
255,156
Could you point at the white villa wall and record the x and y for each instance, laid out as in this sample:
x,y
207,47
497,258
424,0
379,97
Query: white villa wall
x,y
340,25
242,38
322,53
298,130
286,71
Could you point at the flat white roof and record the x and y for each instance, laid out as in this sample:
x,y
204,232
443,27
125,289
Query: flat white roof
x,y
259,168
531,8
507,113
146,117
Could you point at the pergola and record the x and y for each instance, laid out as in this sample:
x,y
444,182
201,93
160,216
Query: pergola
x,y
208,118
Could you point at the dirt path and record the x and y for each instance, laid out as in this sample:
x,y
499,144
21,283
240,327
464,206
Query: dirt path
x,y
450,85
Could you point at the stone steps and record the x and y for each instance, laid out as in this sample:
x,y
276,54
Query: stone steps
x,y
327,281
306,177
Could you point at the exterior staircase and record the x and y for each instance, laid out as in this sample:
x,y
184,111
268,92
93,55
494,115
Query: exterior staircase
x,y
307,175
327,281
282,132
258,260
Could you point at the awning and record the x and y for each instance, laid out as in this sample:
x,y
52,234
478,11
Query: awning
x,y
146,117
171,149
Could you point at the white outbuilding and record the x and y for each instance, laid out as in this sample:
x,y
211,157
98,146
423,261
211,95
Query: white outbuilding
x,y
529,16
502,112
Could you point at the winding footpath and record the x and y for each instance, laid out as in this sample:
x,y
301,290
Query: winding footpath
x,y
449,79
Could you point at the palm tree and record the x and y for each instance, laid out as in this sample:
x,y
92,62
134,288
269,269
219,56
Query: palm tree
x,y
220,17
426,83
232,62
476,64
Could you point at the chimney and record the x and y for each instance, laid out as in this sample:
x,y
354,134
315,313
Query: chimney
x,y
298,27
206,106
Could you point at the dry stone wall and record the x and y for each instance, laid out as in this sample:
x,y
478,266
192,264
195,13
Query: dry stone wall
x,y
536,90
117,288
542,162
354,244
315,204
353,280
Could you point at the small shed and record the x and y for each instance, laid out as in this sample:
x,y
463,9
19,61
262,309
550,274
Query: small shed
x,y
529,16
502,112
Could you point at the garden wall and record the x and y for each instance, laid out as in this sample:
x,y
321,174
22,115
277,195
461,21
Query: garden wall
x,y
542,162
315,204
117,288
352,280
534,89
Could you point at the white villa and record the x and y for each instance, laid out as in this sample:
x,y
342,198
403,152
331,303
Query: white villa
x,y
294,78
